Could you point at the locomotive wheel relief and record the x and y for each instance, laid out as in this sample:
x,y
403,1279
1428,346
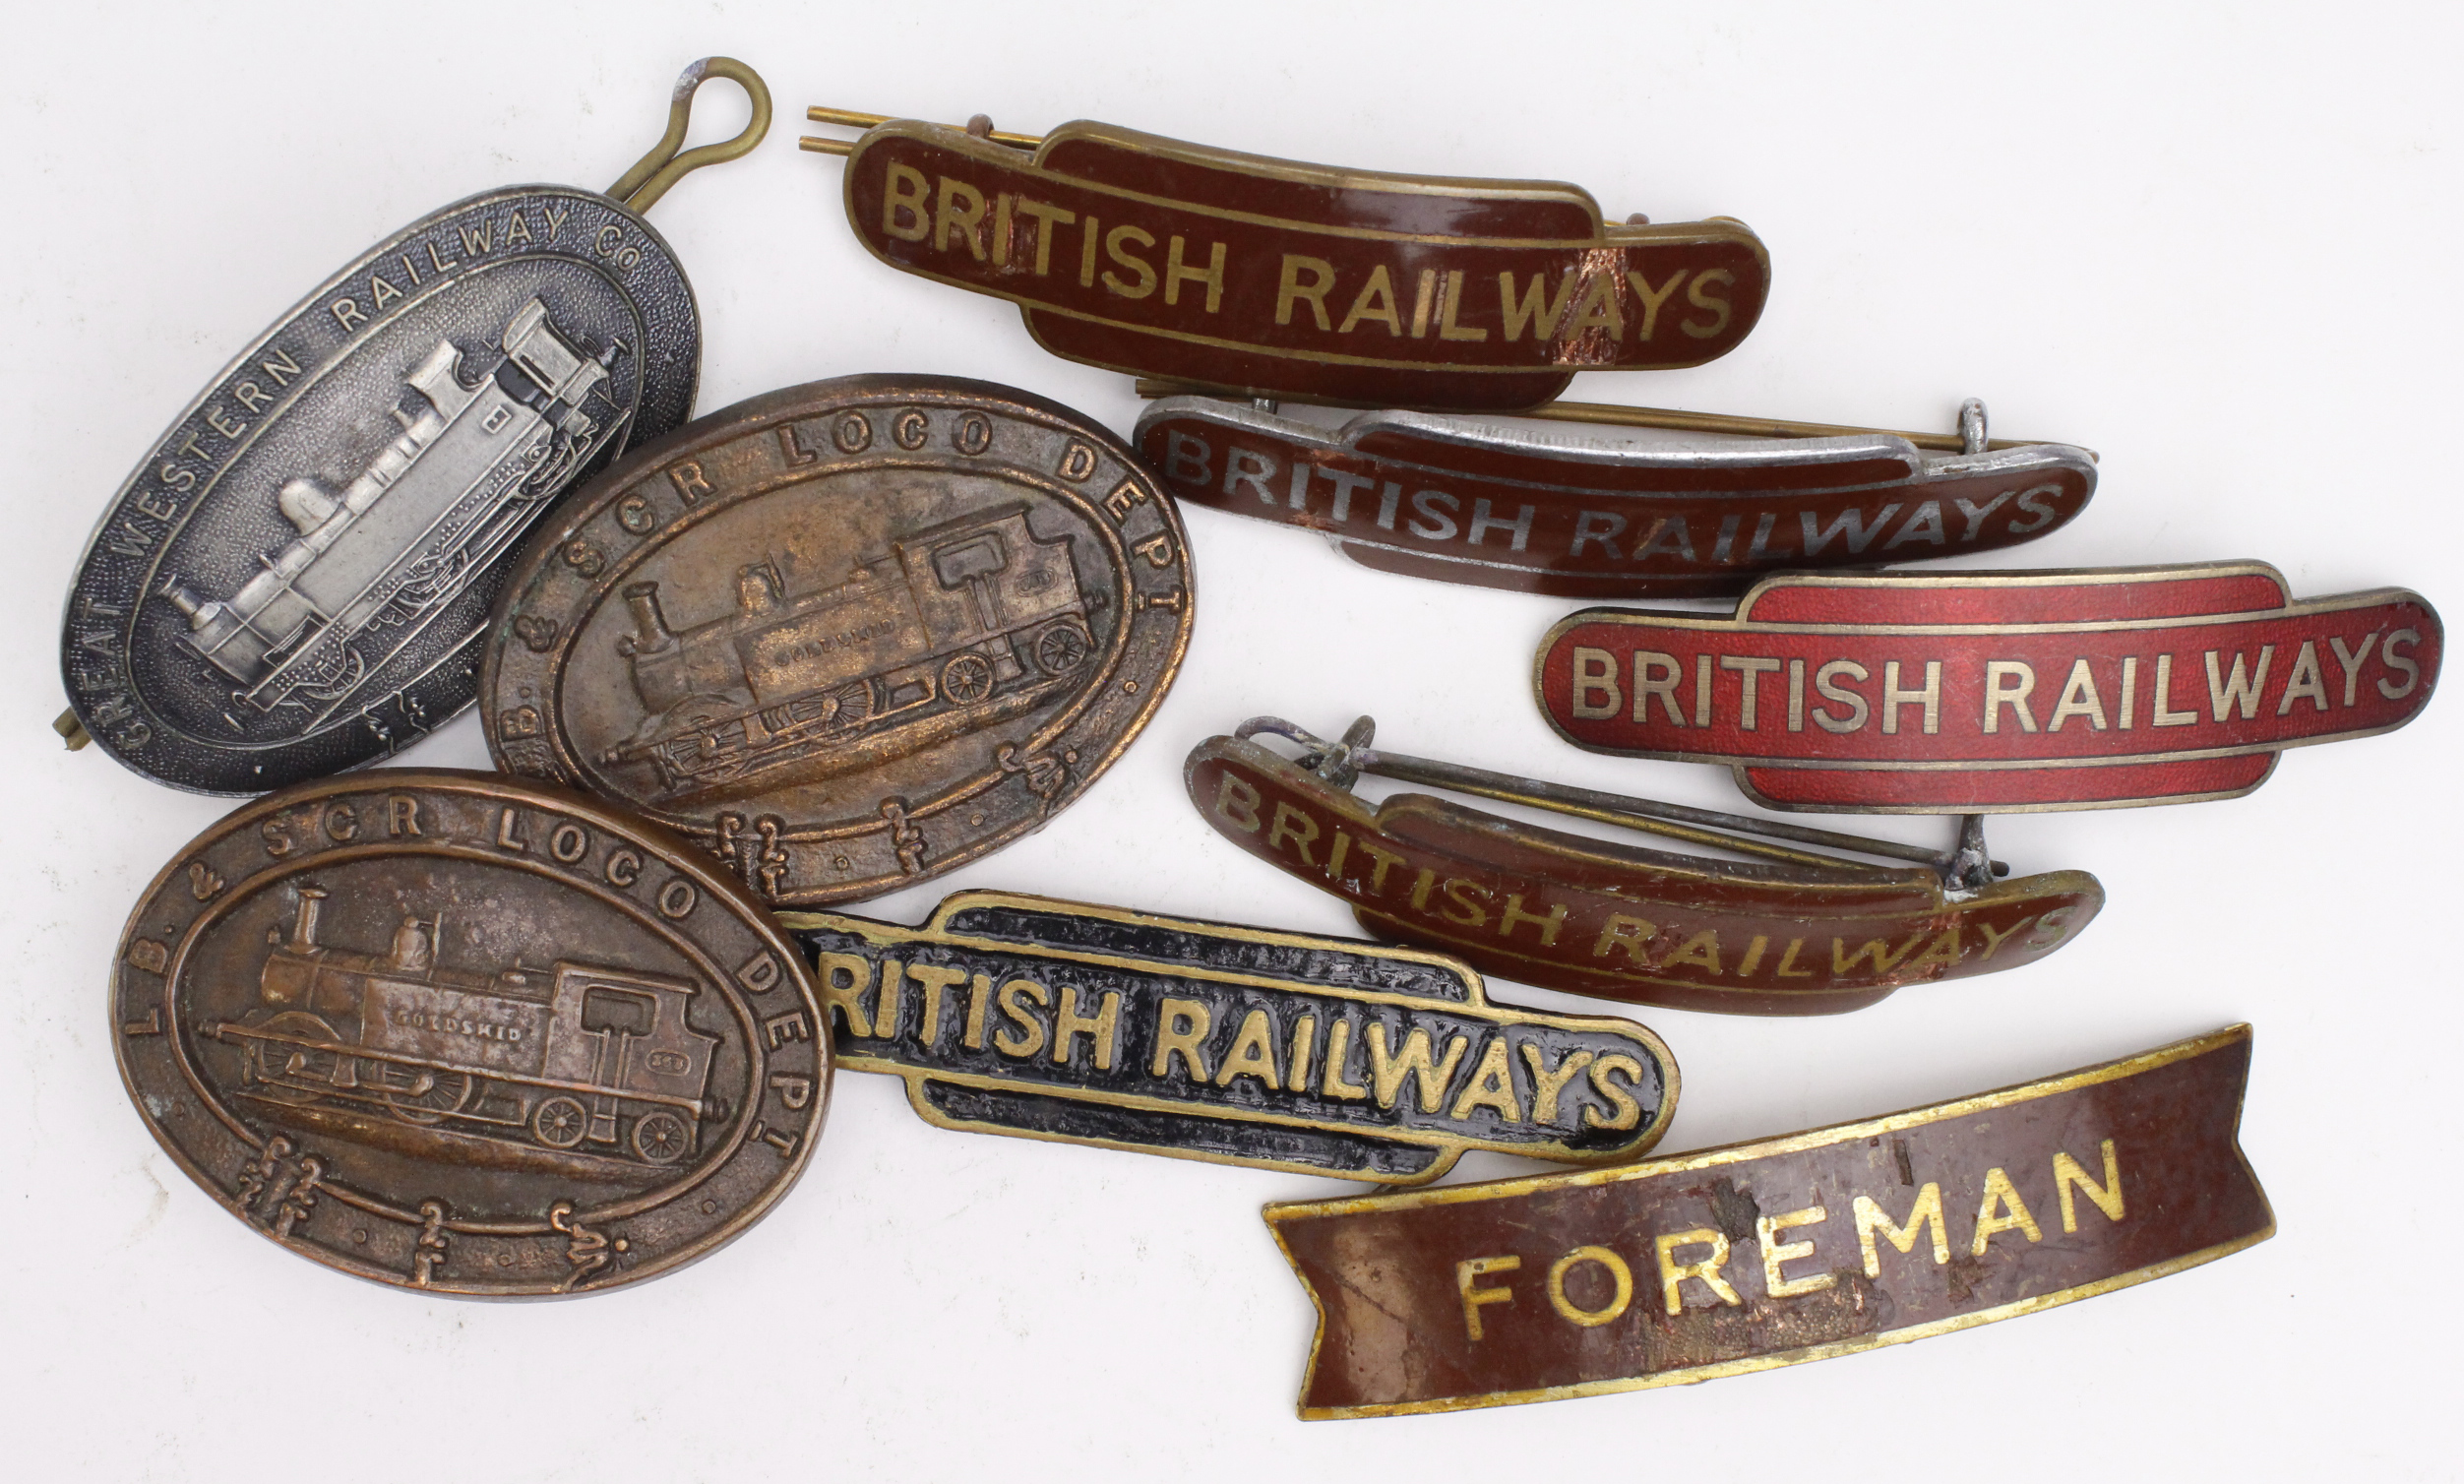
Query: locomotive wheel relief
x,y
847,634
453,1032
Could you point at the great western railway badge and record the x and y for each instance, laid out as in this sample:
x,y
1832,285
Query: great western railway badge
x,y
1995,691
847,634
1803,927
456,1032
295,580
1594,516
1052,1020
1274,277
1780,1251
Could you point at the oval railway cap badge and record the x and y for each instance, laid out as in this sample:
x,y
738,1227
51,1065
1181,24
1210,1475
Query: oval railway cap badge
x,y
847,634
296,579
453,1032
1278,277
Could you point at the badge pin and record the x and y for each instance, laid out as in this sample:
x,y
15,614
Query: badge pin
x,y
847,634
1497,506
456,1032
294,581
1276,277
1798,929
1994,692
1740,1259
1130,1030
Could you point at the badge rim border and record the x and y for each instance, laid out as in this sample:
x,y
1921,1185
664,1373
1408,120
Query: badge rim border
x,y
2046,576
1448,1149
767,412
123,496
678,854
1739,1151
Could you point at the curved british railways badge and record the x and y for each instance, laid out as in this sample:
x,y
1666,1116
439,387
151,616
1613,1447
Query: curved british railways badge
x,y
1800,928
1274,277
295,580
1051,1020
1785,1250
2095,688
847,634
1499,506
456,1032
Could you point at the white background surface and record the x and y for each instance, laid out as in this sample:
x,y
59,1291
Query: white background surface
x,y
2218,245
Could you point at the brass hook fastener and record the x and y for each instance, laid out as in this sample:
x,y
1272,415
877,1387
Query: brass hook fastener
x,y
650,177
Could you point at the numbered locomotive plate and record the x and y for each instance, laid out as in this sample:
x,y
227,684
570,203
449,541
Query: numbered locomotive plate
x,y
847,634
295,580
457,1032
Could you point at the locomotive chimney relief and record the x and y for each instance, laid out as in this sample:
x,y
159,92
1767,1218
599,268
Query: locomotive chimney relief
x,y
443,499
589,1061
951,628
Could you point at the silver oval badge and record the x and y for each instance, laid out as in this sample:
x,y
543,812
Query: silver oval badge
x,y
297,578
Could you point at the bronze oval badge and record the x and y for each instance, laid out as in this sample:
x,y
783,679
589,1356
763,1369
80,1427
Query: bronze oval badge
x,y
847,634
455,1032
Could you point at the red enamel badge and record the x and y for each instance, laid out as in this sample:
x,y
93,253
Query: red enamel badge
x,y
1995,691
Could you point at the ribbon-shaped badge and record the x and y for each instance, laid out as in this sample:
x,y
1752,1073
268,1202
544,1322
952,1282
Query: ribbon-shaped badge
x,y
1785,1250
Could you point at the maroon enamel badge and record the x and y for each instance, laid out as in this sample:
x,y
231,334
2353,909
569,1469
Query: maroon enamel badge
x,y
1159,257
1783,1250
1799,928
1602,514
1995,691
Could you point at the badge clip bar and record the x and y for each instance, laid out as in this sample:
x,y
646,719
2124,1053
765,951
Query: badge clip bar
x,y
1967,866
981,126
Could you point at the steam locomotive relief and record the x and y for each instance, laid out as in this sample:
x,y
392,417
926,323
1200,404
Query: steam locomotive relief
x,y
373,562
577,1058
952,629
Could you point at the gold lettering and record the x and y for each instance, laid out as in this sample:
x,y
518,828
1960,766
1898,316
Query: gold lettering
x,y
1174,273
1492,1086
1338,1048
936,977
1618,1273
909,201
1627,1112
1291,289
1766,1231
1466,1278
1181,1028
960,210
1375,302
2108,1197
1386,1070
1102,1029
1999,1192
1872,1218
1028,1036
1652,298
1548,1085
1252,1053
1114,250
1674,1274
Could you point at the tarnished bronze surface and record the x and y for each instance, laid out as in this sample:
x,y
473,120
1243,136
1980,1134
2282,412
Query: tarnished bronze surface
x,y
847,634
1785,1250
1277,277
294,581
458,1032
1998,691
1592,515
1798,934
1090,1024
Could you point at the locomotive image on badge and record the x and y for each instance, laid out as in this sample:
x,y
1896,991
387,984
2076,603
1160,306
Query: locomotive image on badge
x,y
294,579
590,1057
458,1032
846,635
375,562
945,631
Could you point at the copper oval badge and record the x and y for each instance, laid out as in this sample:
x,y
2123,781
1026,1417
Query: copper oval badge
x,y
847,634
453,1032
